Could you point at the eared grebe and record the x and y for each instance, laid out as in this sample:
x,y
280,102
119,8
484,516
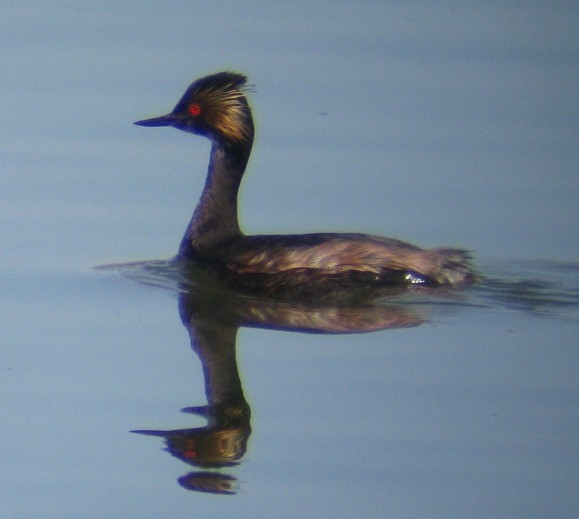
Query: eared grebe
x,y
216,107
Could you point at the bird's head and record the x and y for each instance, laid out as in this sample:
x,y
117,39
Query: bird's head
x,y
214,106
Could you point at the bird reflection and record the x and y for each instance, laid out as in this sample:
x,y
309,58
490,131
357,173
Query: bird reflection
x,y
212,319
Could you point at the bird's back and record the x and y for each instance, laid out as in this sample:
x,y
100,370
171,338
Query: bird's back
x,y
336,260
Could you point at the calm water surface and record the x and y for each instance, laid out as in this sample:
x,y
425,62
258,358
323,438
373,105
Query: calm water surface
x,y
446,125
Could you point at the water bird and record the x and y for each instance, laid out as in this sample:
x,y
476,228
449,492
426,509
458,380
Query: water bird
x,y
216,106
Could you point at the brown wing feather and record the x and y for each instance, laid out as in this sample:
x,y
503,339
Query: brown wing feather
x,y
329,254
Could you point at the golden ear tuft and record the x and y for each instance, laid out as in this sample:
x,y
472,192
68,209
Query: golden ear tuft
x,y
223,105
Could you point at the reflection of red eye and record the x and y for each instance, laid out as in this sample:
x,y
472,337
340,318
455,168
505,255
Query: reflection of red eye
x,y
194,109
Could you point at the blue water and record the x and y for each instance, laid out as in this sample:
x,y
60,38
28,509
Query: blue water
x,y
441,124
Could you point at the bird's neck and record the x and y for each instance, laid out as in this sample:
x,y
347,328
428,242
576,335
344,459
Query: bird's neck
x,y
215,218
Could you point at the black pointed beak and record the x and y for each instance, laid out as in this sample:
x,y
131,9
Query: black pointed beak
x,y
164,120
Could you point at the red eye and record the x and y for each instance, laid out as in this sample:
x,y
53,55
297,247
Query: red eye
x,y
194,109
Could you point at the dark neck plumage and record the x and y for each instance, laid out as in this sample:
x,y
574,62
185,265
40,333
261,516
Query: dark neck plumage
x,y
215,218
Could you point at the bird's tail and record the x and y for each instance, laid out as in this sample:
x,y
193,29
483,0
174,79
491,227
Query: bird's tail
x,y
452,267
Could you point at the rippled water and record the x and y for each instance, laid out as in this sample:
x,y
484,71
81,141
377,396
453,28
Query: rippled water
x,y
541,288
140,392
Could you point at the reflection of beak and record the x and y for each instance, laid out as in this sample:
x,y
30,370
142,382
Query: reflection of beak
x,y
164,120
